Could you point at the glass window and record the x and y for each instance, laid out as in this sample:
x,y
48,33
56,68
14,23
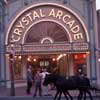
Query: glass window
x,y
46,63
41,63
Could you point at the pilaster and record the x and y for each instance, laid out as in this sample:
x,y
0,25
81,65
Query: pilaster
x,y
93,72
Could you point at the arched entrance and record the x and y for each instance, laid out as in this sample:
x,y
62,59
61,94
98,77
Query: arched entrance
x,y
45,33
49,35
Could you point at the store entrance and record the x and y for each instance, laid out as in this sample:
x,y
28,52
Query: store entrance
x,y
48,61
62,64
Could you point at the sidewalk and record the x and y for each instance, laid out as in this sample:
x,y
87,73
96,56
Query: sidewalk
x,y
20,94
21,91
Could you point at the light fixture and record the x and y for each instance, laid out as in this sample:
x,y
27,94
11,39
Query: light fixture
x,y
28,59
53,59
75,56
60,56
99,59
84,55
19,57
15,57
34,60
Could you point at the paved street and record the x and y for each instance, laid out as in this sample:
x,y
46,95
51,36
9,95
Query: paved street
x,y
20,94
37,98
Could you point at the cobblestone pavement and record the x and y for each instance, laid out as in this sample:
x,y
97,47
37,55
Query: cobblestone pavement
x,y
20,94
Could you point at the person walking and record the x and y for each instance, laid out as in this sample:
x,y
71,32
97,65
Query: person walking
x,y
45,89
37,83
29,80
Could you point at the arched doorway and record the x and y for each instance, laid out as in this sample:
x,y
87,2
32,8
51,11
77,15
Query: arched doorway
x,y
46,33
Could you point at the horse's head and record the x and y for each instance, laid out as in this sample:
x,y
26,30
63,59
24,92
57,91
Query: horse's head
x,y
49,79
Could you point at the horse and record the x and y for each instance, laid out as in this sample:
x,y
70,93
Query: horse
x,y
64,84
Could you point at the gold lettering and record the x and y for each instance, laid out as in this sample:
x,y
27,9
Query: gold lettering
x,y
65,17
35,15
71,23
14,39
78,36
41,13
29,16
75,29
59,14
20,25
52,13
24,20
17,31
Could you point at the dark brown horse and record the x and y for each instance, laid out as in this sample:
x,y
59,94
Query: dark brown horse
x,y
64,84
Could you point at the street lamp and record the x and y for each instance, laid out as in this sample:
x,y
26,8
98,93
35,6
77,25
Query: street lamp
x,y
11,56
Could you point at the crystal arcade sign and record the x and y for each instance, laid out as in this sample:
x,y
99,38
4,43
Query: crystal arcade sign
x,y
65,17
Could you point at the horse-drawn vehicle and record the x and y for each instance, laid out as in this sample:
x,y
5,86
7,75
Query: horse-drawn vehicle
x,y
63,85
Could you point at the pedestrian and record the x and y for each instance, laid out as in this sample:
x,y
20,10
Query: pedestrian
x,y
29,80
45,89
37,83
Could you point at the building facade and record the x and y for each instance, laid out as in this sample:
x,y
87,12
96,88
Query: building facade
x,y
60,35
98,25
98,22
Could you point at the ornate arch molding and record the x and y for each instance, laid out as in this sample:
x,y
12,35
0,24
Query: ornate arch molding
x,y
68,19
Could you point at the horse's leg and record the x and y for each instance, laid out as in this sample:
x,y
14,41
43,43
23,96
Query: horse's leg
x,y
80,95
59,96
69,95
89,93
84,94
56,95
65,95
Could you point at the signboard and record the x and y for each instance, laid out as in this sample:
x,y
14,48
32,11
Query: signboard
x,y
51,12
